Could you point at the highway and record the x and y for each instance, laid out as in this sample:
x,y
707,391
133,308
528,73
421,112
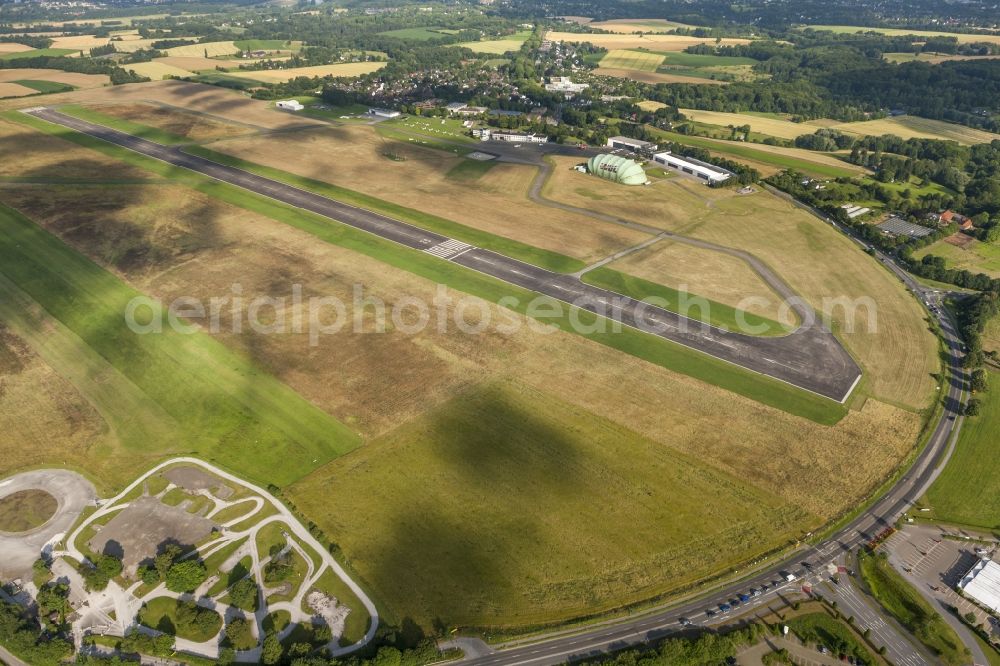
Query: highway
x,y
809,358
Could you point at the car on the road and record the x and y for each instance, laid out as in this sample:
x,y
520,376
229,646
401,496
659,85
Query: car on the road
x,y
765,587
744,598
684,622
754,592
725,608
710,613
735,603
787,575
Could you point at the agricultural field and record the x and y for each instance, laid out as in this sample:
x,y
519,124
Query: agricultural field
x,y
963,38
34,53
206,50
651,77
78,42
784,129
963,252
13,47
650,105
933,58
268,45
968,490
498,46
807,253
628,26
651,42
349,69
635,60
419,34
14,89
909,127
158,71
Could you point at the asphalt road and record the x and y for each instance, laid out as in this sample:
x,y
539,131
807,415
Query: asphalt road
x,y
810,358
882,514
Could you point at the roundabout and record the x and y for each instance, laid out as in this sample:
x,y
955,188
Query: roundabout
x,y
36,510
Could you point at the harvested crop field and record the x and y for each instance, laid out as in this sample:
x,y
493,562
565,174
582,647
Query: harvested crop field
x,y
806,252
200,63
654,42
635,60
82,81
15,90
206,50
498,46
963,38
910,127
628,26
496,202
349,69
13,47
158,71
651,77
534,441
78,42
784,129
933,58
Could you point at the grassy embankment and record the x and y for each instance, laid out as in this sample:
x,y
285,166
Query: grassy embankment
x,y
905,604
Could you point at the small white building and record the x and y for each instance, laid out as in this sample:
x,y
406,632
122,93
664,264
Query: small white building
x,y
289,105
384,113
693,167
628,143
982,584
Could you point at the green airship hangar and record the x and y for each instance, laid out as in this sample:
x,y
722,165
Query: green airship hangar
x,y
627,171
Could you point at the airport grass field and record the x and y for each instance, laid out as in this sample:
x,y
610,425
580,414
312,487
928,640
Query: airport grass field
x,y
968,490
503,424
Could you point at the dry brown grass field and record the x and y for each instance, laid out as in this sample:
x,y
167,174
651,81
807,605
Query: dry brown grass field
x,y
282,75
224,105
13,47
570,415
700,272
496,202
652,77
81,81
816,260
15,90
654,42
192,126
43,156
42,416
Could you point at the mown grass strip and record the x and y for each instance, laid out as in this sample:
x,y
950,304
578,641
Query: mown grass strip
x,y
642,345
714,313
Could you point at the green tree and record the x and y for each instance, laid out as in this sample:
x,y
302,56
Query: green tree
x,y
979,381
271,651
973,407
186,576
244,594
166,558
240,634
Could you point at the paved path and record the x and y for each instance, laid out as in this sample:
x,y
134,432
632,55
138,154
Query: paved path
x,y
72,492
126,605
810,358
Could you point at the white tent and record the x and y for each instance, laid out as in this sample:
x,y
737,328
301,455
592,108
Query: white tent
x,y
982,583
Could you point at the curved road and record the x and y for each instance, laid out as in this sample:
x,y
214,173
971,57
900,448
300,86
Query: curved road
x,y
810,358
882,514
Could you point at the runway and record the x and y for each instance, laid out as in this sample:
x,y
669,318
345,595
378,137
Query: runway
x,y
809,358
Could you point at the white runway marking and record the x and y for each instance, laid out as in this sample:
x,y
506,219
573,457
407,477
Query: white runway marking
x,y
448,249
